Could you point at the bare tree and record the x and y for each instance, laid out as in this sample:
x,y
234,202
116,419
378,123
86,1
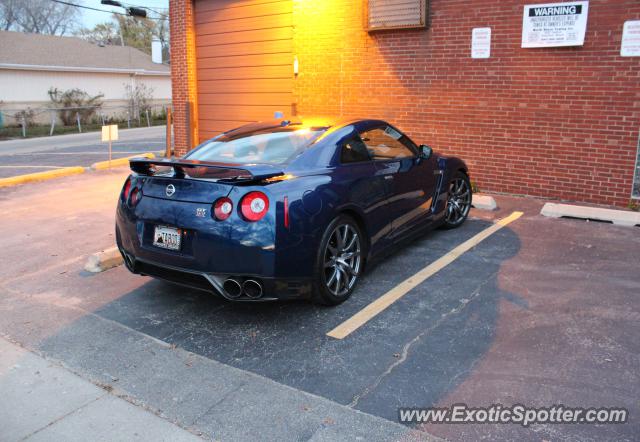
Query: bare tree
x,y
9,12
131,31
38,16
106,33
136,32
139,98
161,31
74,101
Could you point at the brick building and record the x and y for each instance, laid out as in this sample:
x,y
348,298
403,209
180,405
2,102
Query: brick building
x,y
560,122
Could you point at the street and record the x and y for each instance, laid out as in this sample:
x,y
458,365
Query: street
x,y
31,155
544,311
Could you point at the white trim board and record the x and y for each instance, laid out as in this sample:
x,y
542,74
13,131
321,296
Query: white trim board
x,y
34,67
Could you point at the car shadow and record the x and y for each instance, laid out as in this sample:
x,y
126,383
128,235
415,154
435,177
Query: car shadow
x,y
412,354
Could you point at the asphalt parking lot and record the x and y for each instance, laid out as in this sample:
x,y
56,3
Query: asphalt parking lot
x,y
32,155
542,312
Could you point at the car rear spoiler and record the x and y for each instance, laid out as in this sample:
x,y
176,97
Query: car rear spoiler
x,y
203,169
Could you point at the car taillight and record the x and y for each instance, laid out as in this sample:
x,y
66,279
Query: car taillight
x,y
135,197
222,209
254,206
127,189
286,212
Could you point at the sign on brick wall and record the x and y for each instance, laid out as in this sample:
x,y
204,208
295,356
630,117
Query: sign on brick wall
x,y
630,46
481,43
392,14
554,24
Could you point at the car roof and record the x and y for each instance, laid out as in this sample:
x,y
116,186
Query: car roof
x,y
286,124
337,122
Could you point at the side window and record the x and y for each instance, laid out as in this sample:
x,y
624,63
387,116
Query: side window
x,y
385,144
354,151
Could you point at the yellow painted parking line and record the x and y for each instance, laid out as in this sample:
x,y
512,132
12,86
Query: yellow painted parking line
x,y
40,176
359,319
101,165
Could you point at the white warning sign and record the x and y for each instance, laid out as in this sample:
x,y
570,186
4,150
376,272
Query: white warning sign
x,y
554,24
630,46
481,43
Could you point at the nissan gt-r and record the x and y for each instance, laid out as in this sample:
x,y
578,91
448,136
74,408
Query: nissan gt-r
x,y
286,209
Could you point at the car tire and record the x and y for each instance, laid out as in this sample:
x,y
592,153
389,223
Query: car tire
x,y
459,198
340,261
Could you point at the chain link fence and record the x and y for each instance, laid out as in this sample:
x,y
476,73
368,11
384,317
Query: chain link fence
x,y
48,121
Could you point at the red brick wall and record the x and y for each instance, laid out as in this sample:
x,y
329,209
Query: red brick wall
x,y
183,80
552,122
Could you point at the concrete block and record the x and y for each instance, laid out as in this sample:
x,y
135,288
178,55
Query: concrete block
x,y
484,202
618,217
105,260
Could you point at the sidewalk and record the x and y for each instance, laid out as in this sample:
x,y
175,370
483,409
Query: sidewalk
x,y
42,401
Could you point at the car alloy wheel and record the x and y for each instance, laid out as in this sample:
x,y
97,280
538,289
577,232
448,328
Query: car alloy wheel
x,y
459,201
342,260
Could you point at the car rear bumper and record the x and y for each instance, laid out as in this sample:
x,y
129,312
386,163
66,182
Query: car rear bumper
x,y
209,273
271,289
213,252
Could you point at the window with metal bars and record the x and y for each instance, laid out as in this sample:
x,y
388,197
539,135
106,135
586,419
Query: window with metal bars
x,y
396,14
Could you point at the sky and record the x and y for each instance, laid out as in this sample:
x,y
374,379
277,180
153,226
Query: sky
x,y
90,18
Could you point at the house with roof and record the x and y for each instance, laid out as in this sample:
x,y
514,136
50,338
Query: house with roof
x,y
31,64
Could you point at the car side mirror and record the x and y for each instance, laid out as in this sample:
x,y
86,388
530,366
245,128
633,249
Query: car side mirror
x,y
425,152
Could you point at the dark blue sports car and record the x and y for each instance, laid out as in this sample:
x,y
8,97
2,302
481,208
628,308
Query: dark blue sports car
x,y
286,209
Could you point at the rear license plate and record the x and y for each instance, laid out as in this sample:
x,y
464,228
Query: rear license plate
x,y
167,237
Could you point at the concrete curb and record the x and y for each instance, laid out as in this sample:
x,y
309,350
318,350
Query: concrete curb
x,y
68,171
484,202
101,165
41,176
105,260
618,217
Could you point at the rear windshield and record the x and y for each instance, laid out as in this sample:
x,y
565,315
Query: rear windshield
x,y
262,148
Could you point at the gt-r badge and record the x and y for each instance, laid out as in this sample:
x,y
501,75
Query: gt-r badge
x,y
201,212
170,190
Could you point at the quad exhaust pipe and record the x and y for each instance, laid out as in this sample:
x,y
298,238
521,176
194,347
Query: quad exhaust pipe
x,y
129,262
252,289
234,288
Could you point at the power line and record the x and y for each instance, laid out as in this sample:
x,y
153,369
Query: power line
x,y
101,10
87,7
